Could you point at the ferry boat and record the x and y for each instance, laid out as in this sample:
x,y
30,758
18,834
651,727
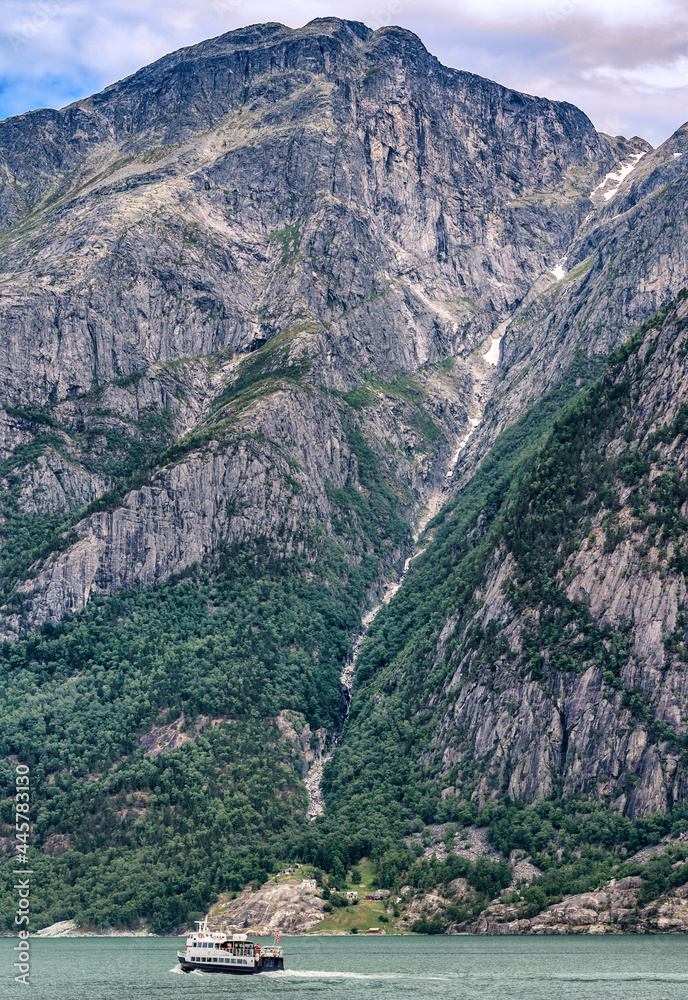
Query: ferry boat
x,y
215,951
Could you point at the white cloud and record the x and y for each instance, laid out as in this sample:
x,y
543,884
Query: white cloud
x,y
650,78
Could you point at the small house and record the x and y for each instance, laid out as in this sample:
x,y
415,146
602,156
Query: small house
x,y
352,895
309,884
373,930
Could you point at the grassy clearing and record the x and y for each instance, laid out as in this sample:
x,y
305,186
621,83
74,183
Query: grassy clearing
x,y
367,913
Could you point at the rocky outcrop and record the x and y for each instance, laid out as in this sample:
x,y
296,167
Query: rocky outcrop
x,y
69,929
532,731
54,484
310,745
221,494
423,907
170,735
287,908
612,910
627,260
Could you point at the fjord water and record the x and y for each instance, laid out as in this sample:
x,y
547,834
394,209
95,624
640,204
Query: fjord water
x,y
399,968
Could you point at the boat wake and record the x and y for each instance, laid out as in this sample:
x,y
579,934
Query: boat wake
x,y
313,974
194,972
622,977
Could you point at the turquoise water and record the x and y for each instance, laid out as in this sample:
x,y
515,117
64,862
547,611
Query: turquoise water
x,y
346,968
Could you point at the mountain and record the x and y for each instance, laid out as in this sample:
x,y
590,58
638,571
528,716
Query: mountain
x,y
330,204
322,361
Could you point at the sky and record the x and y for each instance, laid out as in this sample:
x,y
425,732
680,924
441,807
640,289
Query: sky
x,y
624,62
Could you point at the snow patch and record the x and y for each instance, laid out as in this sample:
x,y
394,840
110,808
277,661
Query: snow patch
x,y
676,155
459,448
491,355
617,177
559,271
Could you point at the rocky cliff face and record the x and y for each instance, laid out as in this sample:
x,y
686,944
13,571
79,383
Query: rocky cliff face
x,y
565,670
624,264
322,171
270,210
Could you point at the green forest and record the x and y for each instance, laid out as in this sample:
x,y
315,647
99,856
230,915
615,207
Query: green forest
x,y
123,837
534,493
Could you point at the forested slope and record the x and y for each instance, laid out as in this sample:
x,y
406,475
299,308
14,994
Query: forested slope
x,y
536,654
